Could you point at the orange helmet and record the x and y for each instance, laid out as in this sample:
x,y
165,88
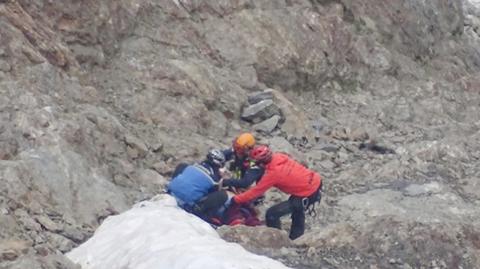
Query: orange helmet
x,y
243,143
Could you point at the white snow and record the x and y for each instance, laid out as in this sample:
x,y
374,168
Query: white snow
x,y
158,235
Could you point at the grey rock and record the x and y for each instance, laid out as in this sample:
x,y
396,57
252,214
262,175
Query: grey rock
x,y
60,242
87,54
136,147
5,66
4,211
12,249
328,147
256,97
267,126
158,147
260,111
327,164
77,235
27,221
48,224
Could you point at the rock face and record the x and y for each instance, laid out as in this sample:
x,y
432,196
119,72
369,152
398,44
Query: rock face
x,y
99,100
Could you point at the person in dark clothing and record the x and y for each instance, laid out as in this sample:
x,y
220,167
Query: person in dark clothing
x,y
244,172
238,154
252,175
195,187
289,176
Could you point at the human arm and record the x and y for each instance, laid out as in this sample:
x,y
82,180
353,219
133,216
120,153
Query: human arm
x,y
251,175
265,183
229,154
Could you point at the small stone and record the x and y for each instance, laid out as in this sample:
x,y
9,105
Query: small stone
x,y
327,164
11,250
311,252
136,148
48,224
132,153
9,255
76,235
122,180
328,147
27,221
342,156
158,147
42,250
4,211
162,168
340,133
5,66
61,243
358,135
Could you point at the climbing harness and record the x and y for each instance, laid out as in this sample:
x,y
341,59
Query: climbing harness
x,y
309,205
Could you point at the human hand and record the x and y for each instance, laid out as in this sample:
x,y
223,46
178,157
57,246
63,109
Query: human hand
x,y
225,173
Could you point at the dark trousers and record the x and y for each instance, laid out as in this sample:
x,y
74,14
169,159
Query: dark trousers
x,y
296,207
209,205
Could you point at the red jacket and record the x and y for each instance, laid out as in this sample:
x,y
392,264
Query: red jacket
x,y
285,174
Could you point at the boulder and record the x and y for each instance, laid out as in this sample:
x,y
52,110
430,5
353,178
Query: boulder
x,y
260,111
267,126
259,96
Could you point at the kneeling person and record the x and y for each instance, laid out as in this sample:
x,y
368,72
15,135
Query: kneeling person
x,y
195,187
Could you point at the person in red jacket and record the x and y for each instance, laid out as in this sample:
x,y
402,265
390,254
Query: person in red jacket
x,y
289,176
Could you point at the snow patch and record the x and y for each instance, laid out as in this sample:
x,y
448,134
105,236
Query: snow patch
x,y
157,234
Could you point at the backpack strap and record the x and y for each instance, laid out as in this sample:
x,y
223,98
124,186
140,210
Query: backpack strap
x,y
204,170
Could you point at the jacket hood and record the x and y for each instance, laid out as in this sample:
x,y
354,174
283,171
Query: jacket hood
x,y
278,159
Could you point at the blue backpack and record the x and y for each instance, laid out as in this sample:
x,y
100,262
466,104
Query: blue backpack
x,y
193,183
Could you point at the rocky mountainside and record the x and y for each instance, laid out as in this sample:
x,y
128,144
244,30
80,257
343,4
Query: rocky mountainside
x,y
101,99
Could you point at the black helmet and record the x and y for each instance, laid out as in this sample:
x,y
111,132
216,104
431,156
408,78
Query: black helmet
x,y
216,157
